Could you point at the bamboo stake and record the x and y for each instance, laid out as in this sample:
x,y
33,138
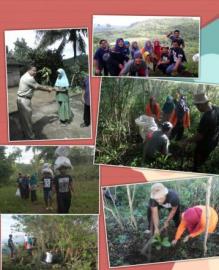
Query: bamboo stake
x,y
208,196
133,220
115,216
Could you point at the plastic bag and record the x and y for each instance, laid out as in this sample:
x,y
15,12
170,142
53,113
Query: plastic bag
x,y
48,257
63,151
62,161
146,125
18,193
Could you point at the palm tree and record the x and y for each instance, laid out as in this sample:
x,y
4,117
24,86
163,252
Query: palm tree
x,y
74,36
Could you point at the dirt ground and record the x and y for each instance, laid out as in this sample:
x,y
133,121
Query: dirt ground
x,y
45,120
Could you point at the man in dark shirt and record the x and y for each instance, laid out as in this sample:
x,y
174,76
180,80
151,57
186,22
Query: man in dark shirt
x,y
164,61
176,36
64,188
11,246
207,136
161,197
47,182
177,57
99,56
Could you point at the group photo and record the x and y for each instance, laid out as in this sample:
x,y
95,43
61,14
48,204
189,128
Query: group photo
x,y
165,221
158,124
48,179
142,46
48,84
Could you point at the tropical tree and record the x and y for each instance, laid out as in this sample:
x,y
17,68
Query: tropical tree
x,y
74,36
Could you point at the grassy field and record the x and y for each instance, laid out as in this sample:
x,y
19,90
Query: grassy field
x,y
85,200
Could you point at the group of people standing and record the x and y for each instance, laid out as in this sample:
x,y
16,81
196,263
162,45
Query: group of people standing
x,y
61,184
174,118
129,59
28,85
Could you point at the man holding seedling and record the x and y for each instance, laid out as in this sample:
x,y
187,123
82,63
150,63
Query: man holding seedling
x,y
162,197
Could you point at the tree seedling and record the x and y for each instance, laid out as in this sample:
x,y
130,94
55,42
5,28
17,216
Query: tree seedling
x,y
158,242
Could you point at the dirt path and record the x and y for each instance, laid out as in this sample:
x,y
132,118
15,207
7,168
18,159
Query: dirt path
x,y
45,119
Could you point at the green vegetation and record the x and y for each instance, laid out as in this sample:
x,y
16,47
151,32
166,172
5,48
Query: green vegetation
x,y
71,239
48,61
152,29
85,198
126,222
118,140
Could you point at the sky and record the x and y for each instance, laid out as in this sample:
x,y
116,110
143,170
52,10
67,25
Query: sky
x,y
6,222
30,35
125,20
27,156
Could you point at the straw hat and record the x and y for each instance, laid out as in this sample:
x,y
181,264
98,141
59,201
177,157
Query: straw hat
x,y
200,98
158,191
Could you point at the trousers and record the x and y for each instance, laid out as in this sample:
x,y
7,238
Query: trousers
x,y
25,116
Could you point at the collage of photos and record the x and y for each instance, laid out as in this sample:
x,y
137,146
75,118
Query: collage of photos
x,y
153,114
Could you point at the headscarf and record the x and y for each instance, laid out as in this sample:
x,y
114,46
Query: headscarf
x,y
134,49
169,105
119,49
157,48
181,108
148,46
192,218
62,80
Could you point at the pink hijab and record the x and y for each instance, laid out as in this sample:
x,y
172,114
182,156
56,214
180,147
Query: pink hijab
x,y
192,217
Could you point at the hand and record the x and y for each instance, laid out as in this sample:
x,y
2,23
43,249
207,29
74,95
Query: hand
x,y
186,239
166,224
157,232
120,66
174,242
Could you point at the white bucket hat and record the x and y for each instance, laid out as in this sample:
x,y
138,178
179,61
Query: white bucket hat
x,y
200,98
158,191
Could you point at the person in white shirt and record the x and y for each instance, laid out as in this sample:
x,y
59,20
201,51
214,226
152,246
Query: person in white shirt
x,y
27,86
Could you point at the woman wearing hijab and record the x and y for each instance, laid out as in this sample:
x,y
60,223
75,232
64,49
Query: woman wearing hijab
x,y
118,57
180,119
153,109
194,220
134,48
62,97
148,47
168,108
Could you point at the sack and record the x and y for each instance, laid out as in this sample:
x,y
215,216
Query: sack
x,y
18,193
62,151
146,125
47,169
62,161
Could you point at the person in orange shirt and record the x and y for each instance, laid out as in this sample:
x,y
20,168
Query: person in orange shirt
x,y
180,119
194,220
153,109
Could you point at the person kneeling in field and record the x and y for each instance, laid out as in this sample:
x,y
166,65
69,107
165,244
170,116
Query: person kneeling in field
x,y
162,197
47,182
194,220
135,67
177,58
64,188
157,142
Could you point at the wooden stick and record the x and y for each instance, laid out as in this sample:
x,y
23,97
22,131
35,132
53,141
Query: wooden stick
x,y
208,196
